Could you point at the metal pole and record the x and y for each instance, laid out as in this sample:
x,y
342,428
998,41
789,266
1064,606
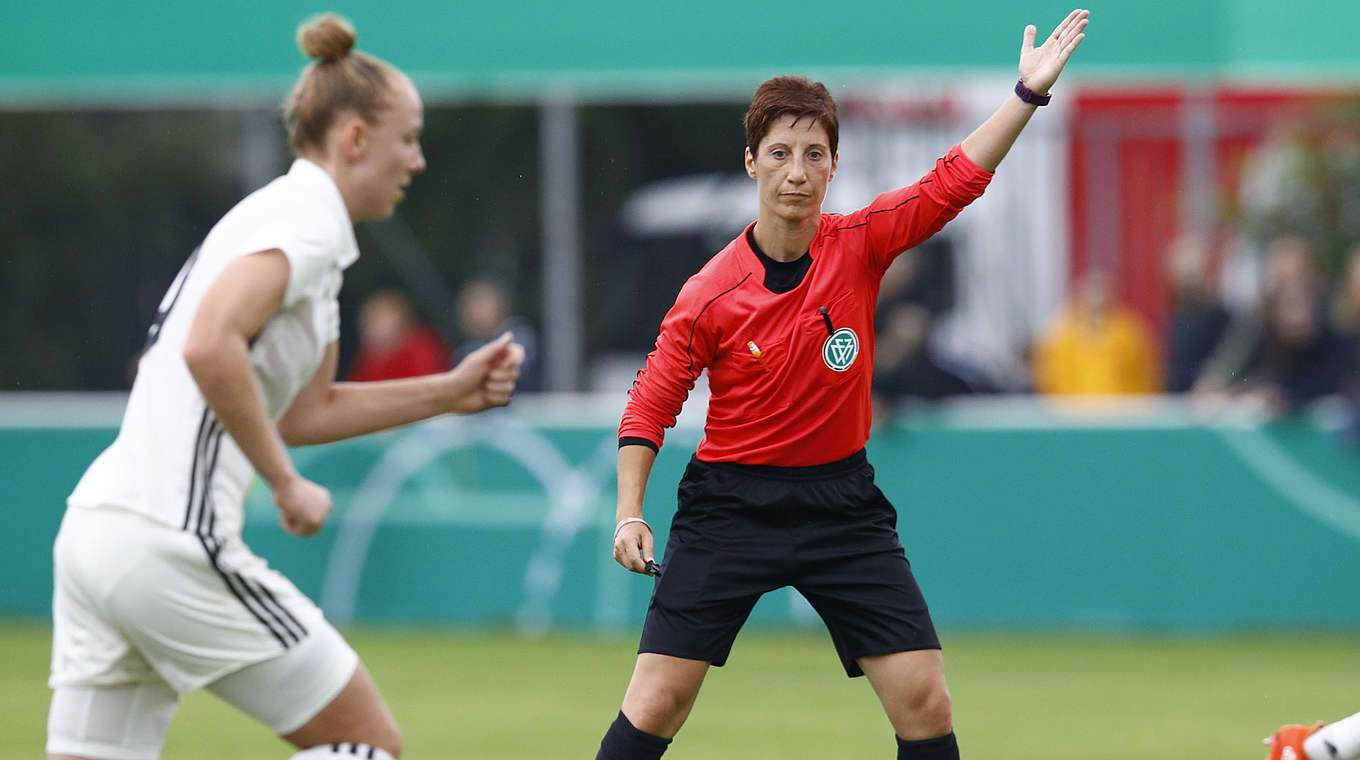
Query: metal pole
x,y
1199,165
1104,234
560,206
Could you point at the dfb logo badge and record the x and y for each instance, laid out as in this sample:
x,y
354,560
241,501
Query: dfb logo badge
x,y
841,349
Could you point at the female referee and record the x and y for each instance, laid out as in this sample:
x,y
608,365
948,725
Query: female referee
x,y
779,492
156,594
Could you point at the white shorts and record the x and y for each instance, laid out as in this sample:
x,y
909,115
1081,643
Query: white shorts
x,y
138,603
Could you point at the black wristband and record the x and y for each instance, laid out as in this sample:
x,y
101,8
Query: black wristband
x,y
1027,95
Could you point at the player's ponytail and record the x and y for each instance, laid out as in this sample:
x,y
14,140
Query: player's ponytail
x,y
339,79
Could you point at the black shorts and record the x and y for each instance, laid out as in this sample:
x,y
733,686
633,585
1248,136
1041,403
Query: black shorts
x,y
743,530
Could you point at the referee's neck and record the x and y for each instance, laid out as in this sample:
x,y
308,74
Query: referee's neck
x,y
784,239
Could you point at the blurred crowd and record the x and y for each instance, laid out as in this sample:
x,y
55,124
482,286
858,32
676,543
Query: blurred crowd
x,y
1262,308
1292,344
395,342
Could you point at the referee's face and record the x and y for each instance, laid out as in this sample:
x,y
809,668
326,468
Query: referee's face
x,y
392,153
792,168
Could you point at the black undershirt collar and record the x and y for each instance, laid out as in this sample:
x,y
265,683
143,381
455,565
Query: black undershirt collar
x,y
780,276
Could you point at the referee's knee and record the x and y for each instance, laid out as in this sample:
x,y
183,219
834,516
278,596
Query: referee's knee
x,y
929,713
660,709
659,713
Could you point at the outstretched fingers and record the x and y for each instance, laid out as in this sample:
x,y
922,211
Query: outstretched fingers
x,y
1068,24
1069,47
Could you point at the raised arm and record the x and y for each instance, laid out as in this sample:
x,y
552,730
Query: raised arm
x,y
1039,69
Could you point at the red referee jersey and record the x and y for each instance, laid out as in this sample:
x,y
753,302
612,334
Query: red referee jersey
x,y
789,373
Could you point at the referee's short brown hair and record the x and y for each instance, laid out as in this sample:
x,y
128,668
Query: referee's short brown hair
x,y
790,95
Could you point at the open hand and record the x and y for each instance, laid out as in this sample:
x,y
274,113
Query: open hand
x,y
1040,66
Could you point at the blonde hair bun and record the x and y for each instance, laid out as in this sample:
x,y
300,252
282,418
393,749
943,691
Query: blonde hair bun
x,y
327,37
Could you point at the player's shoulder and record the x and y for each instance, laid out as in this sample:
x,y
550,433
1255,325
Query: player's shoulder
x,y
287,198
281,209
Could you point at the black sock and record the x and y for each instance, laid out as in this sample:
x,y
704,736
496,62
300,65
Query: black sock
x,y
940,748
625,742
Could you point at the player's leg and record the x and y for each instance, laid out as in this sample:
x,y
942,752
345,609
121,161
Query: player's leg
x,y
347,750
127,722
660,696
1335,741
205,612
316,693
108,703
358,714
1287,742
912,688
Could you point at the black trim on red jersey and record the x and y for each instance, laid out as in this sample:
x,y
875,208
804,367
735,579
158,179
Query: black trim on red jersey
x,y
688,346
867,214
629,440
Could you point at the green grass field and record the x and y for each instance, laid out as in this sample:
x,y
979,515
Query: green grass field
x,y
460,696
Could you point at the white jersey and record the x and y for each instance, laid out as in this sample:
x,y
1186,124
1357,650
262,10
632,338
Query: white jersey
x,y
172,461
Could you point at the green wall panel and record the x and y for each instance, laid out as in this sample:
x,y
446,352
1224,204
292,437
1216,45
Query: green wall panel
x,y
1048,526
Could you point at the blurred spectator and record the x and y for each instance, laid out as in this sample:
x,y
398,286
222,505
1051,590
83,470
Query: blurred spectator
x,y
1199,319
915,291
1097,346
1346,306
1347,321
393,343
484,313
1299,356
903,363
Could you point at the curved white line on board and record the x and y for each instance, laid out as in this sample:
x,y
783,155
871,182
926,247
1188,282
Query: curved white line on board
x,y
518,441
568,513
1296,485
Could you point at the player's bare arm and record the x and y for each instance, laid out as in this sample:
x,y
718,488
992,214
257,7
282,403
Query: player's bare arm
x,y
634,545
1039,70
328,411
217,352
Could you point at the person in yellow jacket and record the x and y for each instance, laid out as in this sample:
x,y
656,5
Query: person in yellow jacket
x,y
1097,346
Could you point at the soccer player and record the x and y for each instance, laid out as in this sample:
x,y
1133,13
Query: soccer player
x,y
1331,741
156,594
779,491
